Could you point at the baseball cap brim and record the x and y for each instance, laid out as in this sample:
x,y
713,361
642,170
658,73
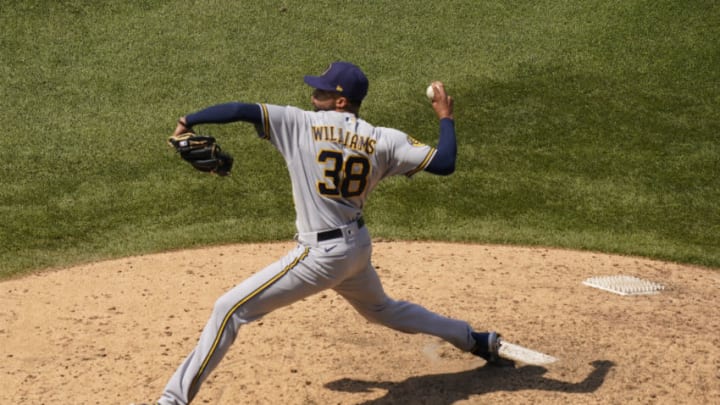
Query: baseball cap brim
x,y
319,82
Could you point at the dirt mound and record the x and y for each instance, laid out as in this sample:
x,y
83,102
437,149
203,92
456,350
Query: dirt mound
x,y
113,332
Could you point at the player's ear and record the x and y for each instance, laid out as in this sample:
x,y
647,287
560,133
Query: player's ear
x,y
342,103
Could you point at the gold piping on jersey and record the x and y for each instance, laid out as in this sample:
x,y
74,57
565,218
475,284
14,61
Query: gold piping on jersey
x,y
424,163
266,121
193,385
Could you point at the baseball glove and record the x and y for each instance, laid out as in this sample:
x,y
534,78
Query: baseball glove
x,y
202,152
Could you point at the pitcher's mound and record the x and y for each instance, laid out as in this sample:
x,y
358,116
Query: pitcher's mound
x,y
114,332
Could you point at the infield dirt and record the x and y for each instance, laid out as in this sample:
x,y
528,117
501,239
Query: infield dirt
x,y
113,332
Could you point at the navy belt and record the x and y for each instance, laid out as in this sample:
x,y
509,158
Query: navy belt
x,y
336,233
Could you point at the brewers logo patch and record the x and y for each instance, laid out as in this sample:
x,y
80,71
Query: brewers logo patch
x,y
414,142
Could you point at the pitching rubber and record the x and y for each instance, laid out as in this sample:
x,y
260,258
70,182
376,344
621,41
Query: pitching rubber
x,y
524,355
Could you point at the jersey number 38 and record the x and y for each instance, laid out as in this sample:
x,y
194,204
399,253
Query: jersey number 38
x,y
346,178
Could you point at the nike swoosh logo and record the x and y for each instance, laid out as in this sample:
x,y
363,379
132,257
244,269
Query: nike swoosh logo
x,y
328,249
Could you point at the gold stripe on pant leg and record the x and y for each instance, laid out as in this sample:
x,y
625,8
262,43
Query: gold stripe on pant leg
x,y
196,379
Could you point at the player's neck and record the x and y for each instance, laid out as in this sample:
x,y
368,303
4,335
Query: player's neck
x,y
349,109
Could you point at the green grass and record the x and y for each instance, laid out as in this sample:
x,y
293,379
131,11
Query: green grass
x,y
588,125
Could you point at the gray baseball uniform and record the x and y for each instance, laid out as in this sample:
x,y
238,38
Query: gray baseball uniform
x,y
335,160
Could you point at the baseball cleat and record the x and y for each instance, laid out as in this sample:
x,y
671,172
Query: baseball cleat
x,y
487,346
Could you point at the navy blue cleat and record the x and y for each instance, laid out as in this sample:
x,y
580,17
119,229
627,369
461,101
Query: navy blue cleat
x,y
487,346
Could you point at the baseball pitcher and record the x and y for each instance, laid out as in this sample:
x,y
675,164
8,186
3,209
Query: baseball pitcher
x,y
335,159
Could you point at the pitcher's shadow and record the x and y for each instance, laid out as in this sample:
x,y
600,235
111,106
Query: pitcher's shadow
x,y
446,389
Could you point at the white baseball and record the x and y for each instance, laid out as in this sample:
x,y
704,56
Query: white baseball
x,y
430,93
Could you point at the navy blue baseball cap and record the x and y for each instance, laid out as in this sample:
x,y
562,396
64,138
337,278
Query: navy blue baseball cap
x,y
344,78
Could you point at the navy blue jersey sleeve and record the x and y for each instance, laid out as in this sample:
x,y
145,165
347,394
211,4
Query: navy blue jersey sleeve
x,y
443,163
225,113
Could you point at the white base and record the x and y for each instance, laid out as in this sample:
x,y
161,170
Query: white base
x,y
624,285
